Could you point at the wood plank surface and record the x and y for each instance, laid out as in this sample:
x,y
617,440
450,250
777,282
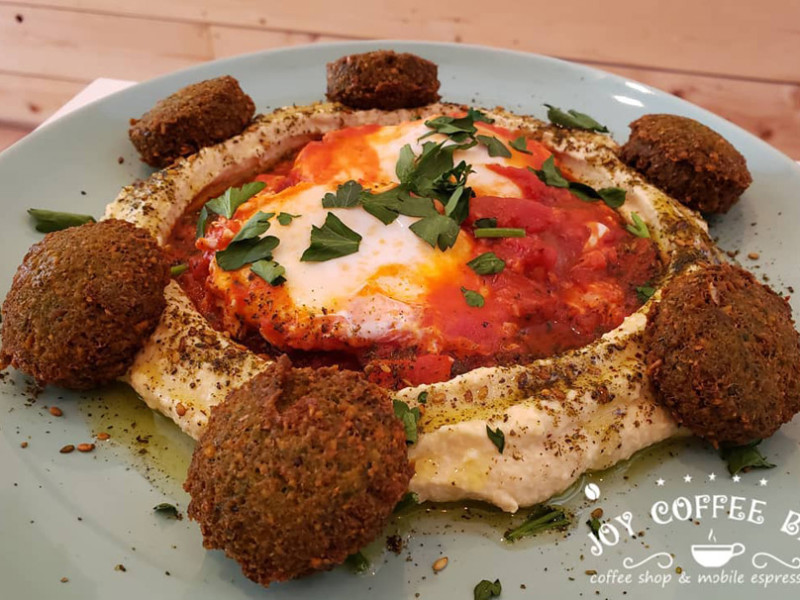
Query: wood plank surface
x,y
743,39
10,134
27,101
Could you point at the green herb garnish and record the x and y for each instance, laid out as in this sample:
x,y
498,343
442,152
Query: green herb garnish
x,y
347,195
638,227
540,518
255,226
497,437
269,271
167,510
552,176
498,232
437,230
409,417
573,119
286,218
408,500
494,146
520,145
47,221
422,398
645,292
333,240
178,270
226,204
238,254
485,223
357,563
595,525
487,263
486,590
744,458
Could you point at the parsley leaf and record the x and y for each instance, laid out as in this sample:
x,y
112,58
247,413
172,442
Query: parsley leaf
x,y
437,230
645,292
494,146
540,518
168,510
408,500
498,232
520,145
255,226
573,119
201,223
744,458
357,563
550,174
405,164
385,206
409,417
638,227
487,263
486,590
347,195
286,218
47,221
333,240
497,437
235,256
269,271
486,222
595,525
233,198
422,398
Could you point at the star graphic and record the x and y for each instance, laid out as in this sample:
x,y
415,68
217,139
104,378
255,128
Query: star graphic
x,y
712,477
762,482
660,482
736,479
687,478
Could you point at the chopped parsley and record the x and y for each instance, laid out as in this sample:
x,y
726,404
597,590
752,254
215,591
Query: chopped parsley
x,y
552,176
407,501
437,230
244,252
333,240
520,145
357,563
347,195
486,590
573,119
167,510
422,398
254,227
473,298
540,518
269,271
595,525
497,437
744,458
487,263
226,204
494,146
47,221
638,227
286,218
645,292
178,270
409,417
485,222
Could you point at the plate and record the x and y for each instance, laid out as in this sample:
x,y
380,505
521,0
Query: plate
x,y
88,518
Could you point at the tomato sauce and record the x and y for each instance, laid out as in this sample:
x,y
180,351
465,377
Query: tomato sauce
x,y
571,278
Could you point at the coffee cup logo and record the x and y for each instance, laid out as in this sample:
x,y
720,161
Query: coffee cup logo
x,y
715,555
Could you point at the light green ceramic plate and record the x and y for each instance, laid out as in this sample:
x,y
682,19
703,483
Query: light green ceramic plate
x,y
79,516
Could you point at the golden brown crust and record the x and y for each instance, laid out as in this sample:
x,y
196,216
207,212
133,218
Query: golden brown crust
x,y
296,470
724,355
82,304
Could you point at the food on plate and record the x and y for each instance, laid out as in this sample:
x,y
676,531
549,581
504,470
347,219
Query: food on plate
x,y
383,79
82,304
689,161
194,117
724,355
298,469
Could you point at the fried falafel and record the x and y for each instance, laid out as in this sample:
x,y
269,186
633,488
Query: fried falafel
x,y
383,79
199,115
724,355
296,470
82,303
689,161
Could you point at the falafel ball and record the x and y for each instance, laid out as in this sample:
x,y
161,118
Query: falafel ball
x,y
296,470
383,79
82,303
689,161
199,115
724,355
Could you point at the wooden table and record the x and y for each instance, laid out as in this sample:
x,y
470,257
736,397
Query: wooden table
x,y
738,59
